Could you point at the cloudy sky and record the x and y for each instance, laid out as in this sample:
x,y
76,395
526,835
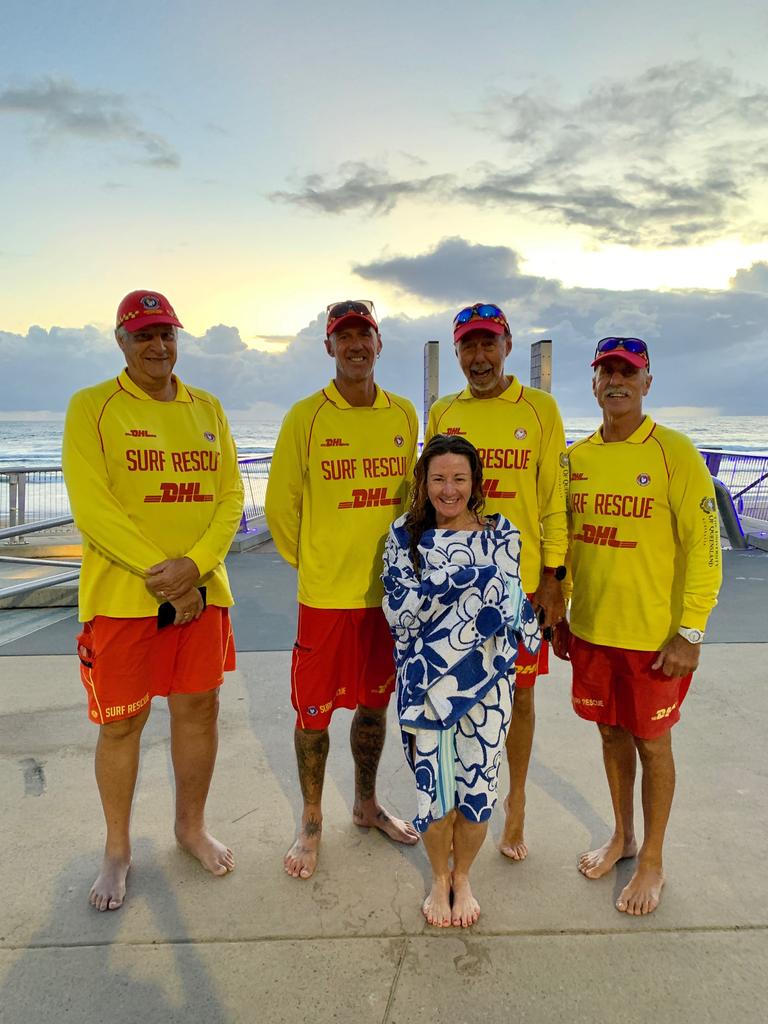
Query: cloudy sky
x,y
596,168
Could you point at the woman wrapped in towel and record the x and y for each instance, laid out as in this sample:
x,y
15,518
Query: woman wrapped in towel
x,y
453,600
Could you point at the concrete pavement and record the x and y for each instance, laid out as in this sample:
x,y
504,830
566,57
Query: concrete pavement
x,y
350,944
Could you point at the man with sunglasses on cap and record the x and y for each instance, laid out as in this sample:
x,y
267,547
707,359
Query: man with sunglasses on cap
x,y
340,475
519,434
645,552
152,475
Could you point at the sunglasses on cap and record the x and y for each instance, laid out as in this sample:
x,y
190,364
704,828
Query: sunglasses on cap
x,y
362,306
480,311
634,345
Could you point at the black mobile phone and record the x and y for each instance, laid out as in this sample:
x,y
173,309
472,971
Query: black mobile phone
x,y
166,613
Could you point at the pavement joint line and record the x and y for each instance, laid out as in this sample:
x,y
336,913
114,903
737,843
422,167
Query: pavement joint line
x,y
395,980
537,933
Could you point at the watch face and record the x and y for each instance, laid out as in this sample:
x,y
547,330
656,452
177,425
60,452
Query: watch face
x,y
693,636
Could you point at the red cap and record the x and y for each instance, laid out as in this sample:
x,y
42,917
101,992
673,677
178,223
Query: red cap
x,y
143,308
480,316
348,312
492,326
639,359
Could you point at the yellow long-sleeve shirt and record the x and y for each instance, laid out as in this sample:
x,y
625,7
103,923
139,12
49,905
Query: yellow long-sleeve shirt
x,y
147,481
340,475
521,442
645,541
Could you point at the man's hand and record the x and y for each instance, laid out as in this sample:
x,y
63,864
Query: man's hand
x,y
561,639
678,658
549,599
172,578
188,607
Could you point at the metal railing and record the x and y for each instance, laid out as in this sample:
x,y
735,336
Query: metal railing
x,y
255,474
29,494
33,494
745,476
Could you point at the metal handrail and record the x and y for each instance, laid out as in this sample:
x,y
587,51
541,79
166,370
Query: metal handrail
x,y
37,527
755,483
29,586
729,515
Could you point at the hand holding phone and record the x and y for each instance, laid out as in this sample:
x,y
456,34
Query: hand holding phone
x,y
183,611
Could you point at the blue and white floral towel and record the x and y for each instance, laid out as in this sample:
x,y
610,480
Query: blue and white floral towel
x,y
457,625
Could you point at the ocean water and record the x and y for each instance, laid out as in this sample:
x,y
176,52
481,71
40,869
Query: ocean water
x,y
38,442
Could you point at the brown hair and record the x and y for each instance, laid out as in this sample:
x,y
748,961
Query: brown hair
x,y
421,515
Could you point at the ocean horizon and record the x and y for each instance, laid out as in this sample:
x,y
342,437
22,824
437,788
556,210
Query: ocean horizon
x,y
37,442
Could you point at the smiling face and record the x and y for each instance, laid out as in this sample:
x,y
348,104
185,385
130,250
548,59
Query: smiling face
x,y
354,348
449,488
481,356
620,389
150,355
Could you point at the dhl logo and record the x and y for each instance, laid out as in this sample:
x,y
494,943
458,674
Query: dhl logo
x,y
455,431
179,492
139,433
579,476
604,536
491,490
663,713
334,442
369,497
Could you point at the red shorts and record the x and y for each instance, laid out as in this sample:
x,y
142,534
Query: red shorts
x,y
529,666
341,658
124,663
613,686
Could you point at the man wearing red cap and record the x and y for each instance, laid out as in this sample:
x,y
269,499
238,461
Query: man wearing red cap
x,y
340,475
519,435
645,550
153,482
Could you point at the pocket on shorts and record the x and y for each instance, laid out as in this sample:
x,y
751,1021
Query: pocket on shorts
x,y
85,650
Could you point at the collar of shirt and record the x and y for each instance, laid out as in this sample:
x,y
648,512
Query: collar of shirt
x,y
125,382
333,394
511,393
642,433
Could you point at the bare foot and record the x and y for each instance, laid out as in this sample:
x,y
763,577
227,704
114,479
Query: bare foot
x,y
597,863
642,893
437,906
466,909
512,844
301,859
213,855
399,831
108,891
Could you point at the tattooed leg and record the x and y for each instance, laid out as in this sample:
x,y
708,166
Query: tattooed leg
x,y
366,737
311,754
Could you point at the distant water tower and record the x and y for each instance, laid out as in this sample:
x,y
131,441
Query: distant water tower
x,y
541,364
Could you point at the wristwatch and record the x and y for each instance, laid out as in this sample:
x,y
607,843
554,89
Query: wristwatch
x,y
693,636
558,571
